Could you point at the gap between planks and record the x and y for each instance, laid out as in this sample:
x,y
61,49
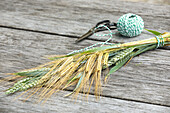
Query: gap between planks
x,y
63,35
46,32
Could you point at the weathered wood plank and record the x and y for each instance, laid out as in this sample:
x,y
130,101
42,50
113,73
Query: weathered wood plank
x,y
58,103
76,17
144,79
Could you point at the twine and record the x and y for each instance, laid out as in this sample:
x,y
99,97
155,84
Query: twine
x,y
160,41
130,25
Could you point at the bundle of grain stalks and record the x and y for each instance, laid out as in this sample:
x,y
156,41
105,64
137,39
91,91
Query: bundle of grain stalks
x,y
81,70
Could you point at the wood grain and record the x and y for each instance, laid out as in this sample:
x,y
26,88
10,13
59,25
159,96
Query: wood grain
x,y
31,29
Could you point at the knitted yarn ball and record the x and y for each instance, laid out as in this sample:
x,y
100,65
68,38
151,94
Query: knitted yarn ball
x,y
130,25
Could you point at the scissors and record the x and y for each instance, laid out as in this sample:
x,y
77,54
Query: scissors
x,y
110,25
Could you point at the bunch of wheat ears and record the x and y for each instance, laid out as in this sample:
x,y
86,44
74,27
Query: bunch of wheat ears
x,y
81,70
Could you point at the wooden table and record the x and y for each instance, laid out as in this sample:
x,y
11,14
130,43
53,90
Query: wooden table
x,y
30,29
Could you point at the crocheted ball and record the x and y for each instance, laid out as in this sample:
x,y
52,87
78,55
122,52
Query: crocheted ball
x,y
130,25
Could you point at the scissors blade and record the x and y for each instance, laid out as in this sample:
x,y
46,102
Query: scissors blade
x,y
89,33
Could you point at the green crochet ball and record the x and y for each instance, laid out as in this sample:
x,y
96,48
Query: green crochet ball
x,y
130,25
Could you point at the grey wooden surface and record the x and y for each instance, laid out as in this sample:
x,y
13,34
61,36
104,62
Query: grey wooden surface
x,y
31,29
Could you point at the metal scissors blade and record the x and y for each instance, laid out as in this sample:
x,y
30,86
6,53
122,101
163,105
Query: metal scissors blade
x,y
89,33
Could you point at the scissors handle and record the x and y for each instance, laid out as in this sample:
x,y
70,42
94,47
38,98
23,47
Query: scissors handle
x,y
94,30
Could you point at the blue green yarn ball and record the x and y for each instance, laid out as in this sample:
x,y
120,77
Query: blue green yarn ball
x,y
130,25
